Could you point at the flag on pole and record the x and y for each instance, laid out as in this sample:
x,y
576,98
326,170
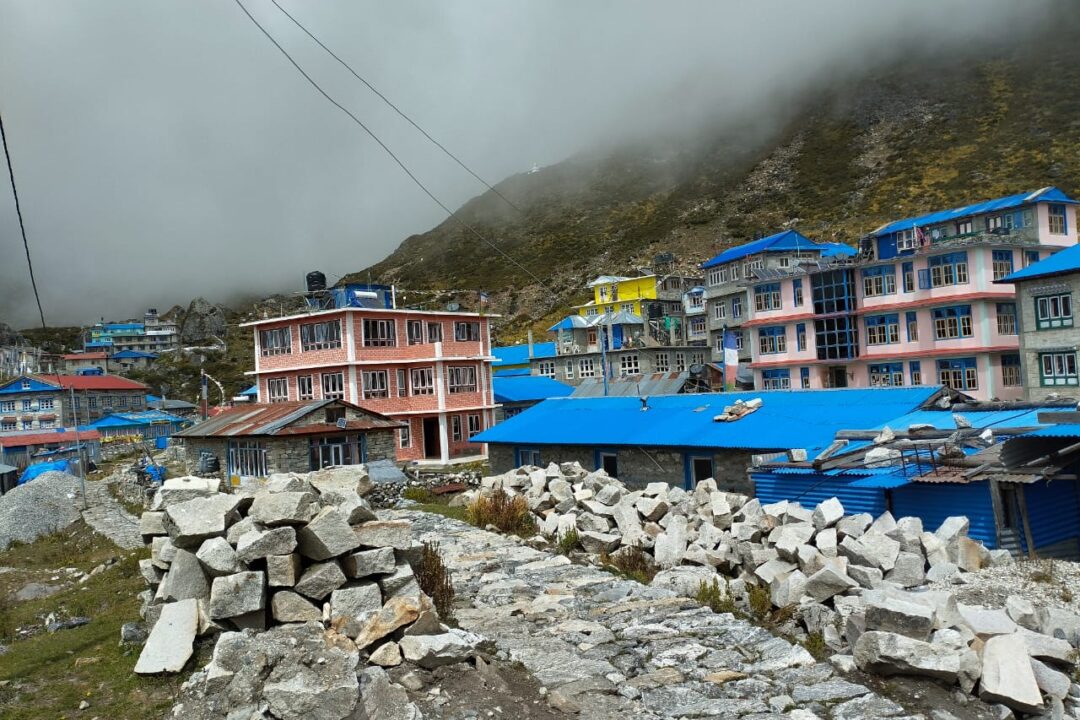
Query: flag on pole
x,y
483,300
731,359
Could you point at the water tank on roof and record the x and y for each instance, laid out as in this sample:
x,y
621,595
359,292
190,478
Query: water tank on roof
x,y
316,281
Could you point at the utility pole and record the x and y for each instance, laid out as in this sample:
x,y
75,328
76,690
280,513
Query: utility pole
x,y
78,448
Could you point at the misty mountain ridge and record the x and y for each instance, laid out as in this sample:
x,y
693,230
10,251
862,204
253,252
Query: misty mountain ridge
x,y
849,158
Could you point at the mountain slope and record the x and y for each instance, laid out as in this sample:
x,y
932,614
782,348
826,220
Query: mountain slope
x,y
915,139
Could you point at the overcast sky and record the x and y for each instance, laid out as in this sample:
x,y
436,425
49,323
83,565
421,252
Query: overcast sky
x,y
165,149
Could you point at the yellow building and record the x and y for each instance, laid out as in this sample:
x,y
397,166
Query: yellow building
x,y
612,293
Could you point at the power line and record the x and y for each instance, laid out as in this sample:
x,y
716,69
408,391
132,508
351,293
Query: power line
x,y
383,145
395,108
22,226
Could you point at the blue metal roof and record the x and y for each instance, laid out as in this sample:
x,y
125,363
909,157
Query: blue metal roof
x,y
787,419
1048,194
1060,263
569,323
133,355
513,372
146,417
252,391
785,241
528,387
943,419
1056,431
519,354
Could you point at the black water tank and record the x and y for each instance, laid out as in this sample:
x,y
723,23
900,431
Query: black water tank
x,y
316,281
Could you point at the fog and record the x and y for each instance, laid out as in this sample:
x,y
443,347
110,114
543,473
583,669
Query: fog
x,y
165,150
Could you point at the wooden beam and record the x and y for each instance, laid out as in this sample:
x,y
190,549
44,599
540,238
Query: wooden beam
x,y
1055,418
999,514
1022,499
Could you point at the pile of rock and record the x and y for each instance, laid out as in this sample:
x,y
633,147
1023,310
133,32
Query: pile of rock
x,y
387,494
856,581
304,552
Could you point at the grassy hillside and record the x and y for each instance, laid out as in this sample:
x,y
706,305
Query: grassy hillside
x,y
912,140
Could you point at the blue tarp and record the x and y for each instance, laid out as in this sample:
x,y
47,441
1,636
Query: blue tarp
x,y
37,469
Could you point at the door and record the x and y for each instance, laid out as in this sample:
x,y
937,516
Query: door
x,y
698,469
837,377
609,463
431,438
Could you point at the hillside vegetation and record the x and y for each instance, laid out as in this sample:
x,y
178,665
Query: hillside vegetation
x,y
911,140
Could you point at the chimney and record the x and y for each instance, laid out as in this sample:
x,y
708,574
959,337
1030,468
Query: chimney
x,y
530,345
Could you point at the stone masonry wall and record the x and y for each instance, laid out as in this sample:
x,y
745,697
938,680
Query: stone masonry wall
x,y
1033,341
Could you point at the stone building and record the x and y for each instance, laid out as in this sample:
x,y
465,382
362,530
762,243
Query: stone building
x,y
45,402
257,440
1048,337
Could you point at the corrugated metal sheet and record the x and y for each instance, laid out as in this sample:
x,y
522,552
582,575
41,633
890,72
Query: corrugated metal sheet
x,y
883,482
528,387
787,419
785,241
1061,262
636,386
519,354
1051,194
934,503
1056,431
943,419
1053,511
268,419
770,488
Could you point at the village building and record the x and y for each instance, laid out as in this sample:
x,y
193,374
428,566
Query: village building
x,y
260,439
684,439
127,360
22,359
180,408
516,359
153,335
75,363
918,305
1048,337
429,369
21,449
45,402
151,426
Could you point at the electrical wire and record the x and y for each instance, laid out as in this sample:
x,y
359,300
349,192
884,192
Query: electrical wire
x,y
396,109
22,226
450,213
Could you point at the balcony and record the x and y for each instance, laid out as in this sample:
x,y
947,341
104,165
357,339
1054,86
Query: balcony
x,y
1002,236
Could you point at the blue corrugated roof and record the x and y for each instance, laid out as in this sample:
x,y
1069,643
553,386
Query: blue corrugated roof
x,y
785,241
528,387
252,391
1058,431
133,355
519,354
513,372
943,419
1061,262
787,419
145,417
1049,194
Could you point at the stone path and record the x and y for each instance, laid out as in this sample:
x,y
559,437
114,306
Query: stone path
x,y
612,649
107,517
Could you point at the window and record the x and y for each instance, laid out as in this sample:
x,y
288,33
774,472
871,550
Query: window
x,y
586,367
1057,219
25,384
767,297
952,322
462,379
628,364
697,326
278,389
906,239
474,425
804,378
275,342
736,307
1053,311
772,340
334,414
723,272
738,338
333,386
423,381
662,362
1031,257
697,358
7,406
434,332
915,371
405,437
91,402
776,379
546,368
879,281
47,403
121,401
680,362
734,272
247,458
908,270
414,329
882,329
402,383
467,331
912,319
8,425
720,310
948,269
1006,318
27,424
379,333
320,335
964,227
1010,370
1058,368
800,336
796,289
455,428
958,374
42,423
1002,263
887,375
714,277
994,222
375,384
305,388
836,338
628,307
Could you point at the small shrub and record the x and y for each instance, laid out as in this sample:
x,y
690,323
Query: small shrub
x,y
510,514
568,542
760,602
1043,571
1066,595
418,494
631,562
815,645
716,598
434,579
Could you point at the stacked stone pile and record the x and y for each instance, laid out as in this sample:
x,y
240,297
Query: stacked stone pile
x,y
303,558
857,581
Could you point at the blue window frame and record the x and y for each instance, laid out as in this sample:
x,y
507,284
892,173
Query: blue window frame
x,y
776,379
1058,223
948,269
887,374
772,340
882,329
1031,257
952,322
804,377
1002,263
767,297
800,336
959,374
527,456
908,270
915,372
879,281
911,318
796,290
696,468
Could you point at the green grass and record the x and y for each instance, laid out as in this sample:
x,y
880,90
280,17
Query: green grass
x,y
457,513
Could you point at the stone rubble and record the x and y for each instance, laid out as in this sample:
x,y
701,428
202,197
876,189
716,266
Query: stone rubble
x,y
858,583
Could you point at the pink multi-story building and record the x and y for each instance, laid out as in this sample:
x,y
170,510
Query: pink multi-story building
x,y
429,369
917,305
